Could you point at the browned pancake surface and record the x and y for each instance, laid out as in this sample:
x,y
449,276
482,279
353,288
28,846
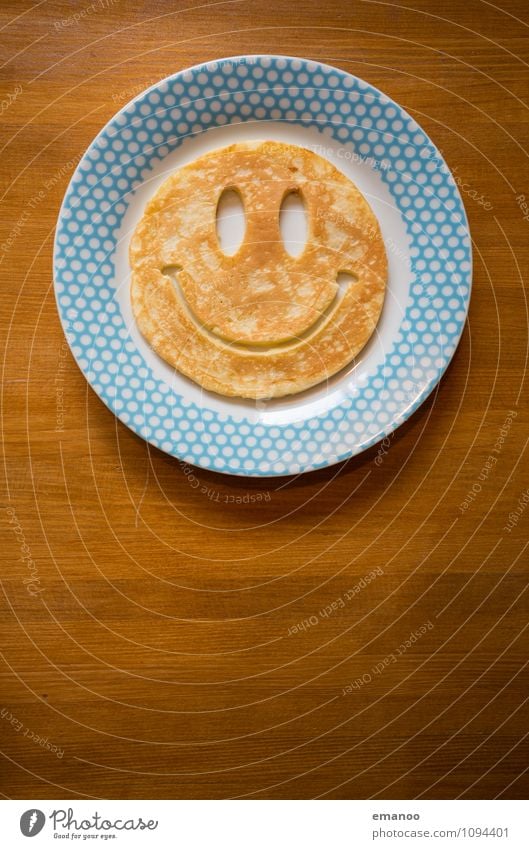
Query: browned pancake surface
x,y
260,323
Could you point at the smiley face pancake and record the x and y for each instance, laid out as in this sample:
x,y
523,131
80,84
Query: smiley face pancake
x,y
259,323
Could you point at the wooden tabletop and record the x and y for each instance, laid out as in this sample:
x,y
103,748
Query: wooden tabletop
x,y
161,640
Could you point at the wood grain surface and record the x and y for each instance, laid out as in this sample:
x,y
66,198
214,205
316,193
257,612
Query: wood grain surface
x,y
155,654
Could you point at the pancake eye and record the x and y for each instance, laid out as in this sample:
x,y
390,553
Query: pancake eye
x,y
230,221
293,223
344,280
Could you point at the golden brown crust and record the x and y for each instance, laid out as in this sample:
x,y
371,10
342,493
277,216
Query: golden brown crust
x,y
260,323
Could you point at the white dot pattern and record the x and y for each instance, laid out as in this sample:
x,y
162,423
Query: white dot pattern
x,y
343,108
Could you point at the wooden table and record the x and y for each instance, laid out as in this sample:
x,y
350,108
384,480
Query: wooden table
x,y
150,631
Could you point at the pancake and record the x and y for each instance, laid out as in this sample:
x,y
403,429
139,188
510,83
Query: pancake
x,y
260,323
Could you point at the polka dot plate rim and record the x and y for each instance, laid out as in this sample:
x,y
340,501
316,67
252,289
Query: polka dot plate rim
x,y
366,135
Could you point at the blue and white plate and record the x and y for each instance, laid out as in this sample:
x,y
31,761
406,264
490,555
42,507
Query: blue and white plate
x,y
373,141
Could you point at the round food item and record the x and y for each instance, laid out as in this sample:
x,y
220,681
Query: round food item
x,y
259,323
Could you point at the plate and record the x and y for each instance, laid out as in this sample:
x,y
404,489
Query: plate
x,y
368,137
